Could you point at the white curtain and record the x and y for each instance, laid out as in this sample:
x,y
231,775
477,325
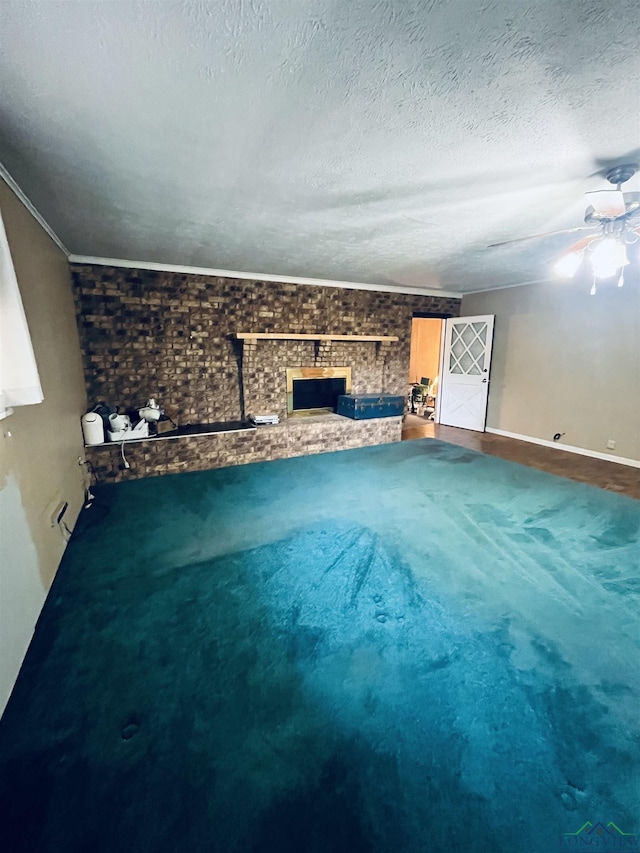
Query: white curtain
x,y
19,379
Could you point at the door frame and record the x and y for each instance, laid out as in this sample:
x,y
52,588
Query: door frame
x,y
435,315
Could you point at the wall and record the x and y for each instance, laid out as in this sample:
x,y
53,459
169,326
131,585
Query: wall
x,y
565,361
39,445
171,336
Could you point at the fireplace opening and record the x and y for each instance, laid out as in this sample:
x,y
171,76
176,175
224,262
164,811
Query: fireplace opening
x,y
317,393
315,390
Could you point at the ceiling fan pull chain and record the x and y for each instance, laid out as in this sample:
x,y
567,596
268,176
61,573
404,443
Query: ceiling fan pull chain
x,y
593,288
621,279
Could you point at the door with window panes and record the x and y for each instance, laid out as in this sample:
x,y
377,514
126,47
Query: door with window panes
x,y
464,384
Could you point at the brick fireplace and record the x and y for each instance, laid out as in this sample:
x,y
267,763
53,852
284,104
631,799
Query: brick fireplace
x,y
271,364
175,337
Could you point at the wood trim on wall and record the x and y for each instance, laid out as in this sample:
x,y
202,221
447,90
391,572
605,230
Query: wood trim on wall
x,y
278,336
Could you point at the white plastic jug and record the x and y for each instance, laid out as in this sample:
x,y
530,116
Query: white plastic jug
x,y
92,428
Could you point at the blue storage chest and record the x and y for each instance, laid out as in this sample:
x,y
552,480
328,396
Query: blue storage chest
x,y
362,406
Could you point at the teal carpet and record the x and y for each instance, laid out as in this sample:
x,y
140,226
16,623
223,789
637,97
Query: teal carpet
x,y
411,647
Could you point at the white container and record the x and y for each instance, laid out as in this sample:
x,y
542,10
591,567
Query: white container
x,y
92,428
141,430
119,423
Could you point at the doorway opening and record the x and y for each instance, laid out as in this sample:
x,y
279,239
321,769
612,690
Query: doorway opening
x,y
424,368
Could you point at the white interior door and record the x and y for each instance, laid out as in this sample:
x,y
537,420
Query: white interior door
x,y
464,379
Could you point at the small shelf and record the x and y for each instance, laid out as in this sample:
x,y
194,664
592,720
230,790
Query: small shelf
x,y
186,431
286,336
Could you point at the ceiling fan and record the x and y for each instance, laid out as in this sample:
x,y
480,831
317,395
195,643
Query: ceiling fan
x,y
615,218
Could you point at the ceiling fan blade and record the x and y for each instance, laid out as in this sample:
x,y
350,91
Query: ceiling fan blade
x,y
633,215
607,203
540,236
581,244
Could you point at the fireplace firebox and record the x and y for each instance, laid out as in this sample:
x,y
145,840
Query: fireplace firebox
x,y
315,390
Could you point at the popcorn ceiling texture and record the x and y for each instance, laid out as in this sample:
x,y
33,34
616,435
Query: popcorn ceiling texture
x,y
171,336
379,141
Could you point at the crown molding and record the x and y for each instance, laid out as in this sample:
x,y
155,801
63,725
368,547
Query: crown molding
x,y
507,286
15,188
286,279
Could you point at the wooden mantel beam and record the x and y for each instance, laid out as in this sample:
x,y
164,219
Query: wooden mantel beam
x,y
277,336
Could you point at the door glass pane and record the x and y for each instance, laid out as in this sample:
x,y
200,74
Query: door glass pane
x,y
466,363
458,349
468,344
468,334
454,367
481,331
477,349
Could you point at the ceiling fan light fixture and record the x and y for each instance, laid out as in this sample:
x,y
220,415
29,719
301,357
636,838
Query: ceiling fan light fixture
x,y
607,204
607,257
567,266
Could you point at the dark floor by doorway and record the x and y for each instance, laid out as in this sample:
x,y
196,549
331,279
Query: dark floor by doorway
x,y
623,479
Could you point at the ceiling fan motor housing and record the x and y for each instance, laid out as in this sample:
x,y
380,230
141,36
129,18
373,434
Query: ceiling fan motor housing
x,y
621,174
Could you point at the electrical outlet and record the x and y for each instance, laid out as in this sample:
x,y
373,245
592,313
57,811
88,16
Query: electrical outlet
x,y
611,445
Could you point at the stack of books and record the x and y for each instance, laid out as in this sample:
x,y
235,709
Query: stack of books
x,y
262,420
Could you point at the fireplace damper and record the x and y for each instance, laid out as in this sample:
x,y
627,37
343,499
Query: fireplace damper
x,y
315,390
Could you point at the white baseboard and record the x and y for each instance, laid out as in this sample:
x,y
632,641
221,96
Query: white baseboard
x,y
594,454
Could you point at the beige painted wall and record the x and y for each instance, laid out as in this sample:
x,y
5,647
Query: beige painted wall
x,y
39,445
565,361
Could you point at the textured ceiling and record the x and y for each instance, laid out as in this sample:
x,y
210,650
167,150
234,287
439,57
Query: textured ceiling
x,y
379,141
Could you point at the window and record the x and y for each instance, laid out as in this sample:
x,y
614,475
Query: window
x,y
19,379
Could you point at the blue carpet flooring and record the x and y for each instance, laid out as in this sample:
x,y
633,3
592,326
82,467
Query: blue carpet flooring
x,y
411,647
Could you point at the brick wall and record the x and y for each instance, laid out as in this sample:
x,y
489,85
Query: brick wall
x,y
170,336
295,437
